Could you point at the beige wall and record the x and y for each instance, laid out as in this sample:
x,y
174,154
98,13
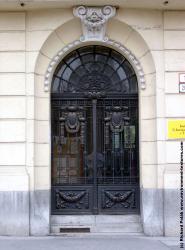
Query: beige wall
x,y
12,91
28,43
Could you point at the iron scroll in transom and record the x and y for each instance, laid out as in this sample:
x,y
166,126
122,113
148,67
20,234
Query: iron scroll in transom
x,y
94,121
94,68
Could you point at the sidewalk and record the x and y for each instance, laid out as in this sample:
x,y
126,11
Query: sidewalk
x,y
89,242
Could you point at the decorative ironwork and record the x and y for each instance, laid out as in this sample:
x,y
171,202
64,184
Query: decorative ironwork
x,y
58,57
118,198
94,69
94,94
72,120
115,120
72,199
95,133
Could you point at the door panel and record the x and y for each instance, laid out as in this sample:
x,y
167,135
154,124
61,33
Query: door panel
x,y
95,162
118,199
72,199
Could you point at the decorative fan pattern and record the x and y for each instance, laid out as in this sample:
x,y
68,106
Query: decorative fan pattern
x,y
94,68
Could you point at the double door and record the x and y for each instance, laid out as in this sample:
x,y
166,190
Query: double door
x,y
95,155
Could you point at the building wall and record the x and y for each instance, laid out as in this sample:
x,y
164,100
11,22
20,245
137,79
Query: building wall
x,y
28,43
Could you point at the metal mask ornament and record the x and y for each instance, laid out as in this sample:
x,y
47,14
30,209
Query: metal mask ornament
x,y
115,120
72,121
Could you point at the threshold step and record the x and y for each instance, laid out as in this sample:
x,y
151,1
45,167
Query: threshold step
x,y
103,228
93,219
96,224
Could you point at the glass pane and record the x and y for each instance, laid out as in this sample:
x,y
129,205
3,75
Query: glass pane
x,y
85,50
125,86
117,56
56,85
88,58
71,57
128,68
121,73
75,64
101,58
67,73
133,85
60,69
129,136
102,50
113,64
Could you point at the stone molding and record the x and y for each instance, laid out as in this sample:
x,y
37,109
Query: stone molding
x,y
94,21
119,47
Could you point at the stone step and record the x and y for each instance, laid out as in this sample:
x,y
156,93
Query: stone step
x,y
98,234
98,223
129,228
93,219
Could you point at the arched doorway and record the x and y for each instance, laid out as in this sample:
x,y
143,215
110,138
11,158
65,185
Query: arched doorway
x,y
94,123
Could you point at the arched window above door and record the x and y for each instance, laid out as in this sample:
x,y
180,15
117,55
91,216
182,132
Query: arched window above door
x,y
94,68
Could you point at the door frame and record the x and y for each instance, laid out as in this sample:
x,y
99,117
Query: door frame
x,y
146,99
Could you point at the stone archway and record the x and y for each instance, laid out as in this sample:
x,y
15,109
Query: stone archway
x,y
50,52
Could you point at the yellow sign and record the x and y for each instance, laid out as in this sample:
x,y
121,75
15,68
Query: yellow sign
x,y
176,129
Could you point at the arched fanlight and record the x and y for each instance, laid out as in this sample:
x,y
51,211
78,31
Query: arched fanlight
x,y
94,68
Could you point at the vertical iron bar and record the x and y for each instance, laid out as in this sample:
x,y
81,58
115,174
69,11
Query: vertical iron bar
x,y
104,143
121,156
59,146
129,145
85,148
95,188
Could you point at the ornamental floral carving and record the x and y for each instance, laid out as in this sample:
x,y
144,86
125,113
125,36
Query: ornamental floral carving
x,y
94,21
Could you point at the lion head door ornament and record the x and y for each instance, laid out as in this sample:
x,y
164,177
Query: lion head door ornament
x,y
72,121
114,121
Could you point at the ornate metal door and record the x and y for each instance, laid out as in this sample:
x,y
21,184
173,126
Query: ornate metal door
x,y
94,113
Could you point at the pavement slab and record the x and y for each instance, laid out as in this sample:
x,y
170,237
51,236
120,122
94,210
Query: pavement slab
x,y
106,242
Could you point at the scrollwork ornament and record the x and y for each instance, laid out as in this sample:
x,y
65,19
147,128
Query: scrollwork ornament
x,y
94,20
106,10
81,10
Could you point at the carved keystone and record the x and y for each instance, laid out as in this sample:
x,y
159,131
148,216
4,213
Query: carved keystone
x,y
94,21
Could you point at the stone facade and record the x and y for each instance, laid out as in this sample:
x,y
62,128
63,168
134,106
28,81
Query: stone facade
x,y
29,43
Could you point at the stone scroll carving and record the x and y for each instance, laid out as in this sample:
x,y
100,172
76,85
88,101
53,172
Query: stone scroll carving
x,y
94,21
